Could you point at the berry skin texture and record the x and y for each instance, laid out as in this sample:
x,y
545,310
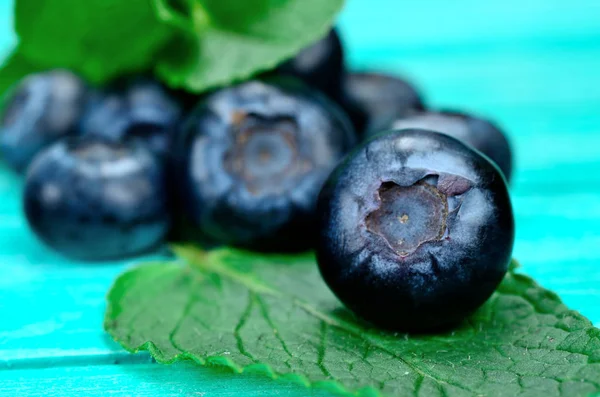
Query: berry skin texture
x,y
320,65
375,100
252,159
96,200
416,231
41,109
477,132
140,110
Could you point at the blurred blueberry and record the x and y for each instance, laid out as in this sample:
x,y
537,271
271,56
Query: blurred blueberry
x,y
375,100
476,132
320,65
36,112
251,160
142,110
94,199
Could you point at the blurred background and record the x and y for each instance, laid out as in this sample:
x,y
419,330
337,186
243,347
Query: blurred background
x,y
533,66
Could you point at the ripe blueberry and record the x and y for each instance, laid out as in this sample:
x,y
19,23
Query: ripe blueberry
x,y
252,159
92,199
142,110
481,134
320,65
416,230
375,100
41,109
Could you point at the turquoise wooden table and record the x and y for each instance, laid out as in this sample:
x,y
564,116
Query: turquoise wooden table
x,y
533,65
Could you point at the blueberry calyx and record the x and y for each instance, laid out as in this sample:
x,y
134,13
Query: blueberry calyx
x,y
264,152
418,212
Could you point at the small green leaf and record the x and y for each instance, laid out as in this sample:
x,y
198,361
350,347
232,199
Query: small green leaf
x,y
100,39
274,315
233,40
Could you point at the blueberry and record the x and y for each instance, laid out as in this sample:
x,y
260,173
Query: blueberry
x,y
92,199
252,159
481,134
141,110
41,109
375,100
105,115
416,230
320,65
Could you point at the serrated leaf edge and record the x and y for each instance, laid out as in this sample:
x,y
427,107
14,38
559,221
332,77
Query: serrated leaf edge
x,y
265,369
224,362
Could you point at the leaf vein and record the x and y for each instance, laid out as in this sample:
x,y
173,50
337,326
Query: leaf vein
x,y
418,385
321,350
258,288
241,323
265,312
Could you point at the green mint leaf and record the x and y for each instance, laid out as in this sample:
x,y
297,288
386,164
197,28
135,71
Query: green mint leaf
x,y
101,39
227,41
274,315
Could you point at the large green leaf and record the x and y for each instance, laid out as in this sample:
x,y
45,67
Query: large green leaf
x,y
232,40
273,314
191,44
100,39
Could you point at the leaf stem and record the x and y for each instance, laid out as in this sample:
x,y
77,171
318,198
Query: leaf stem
x,y
200,16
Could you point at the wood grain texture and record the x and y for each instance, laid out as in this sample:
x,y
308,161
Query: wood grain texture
x,y
143,380
532,65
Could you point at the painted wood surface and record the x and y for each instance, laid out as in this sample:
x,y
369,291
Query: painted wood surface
x,y
532,65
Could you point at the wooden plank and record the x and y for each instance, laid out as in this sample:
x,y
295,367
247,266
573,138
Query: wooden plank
x,y
145,380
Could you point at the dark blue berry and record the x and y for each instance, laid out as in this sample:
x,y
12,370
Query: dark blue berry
x,y
375,100
416,230
252,159
143,110
41,109
480,133
320,65
93,199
